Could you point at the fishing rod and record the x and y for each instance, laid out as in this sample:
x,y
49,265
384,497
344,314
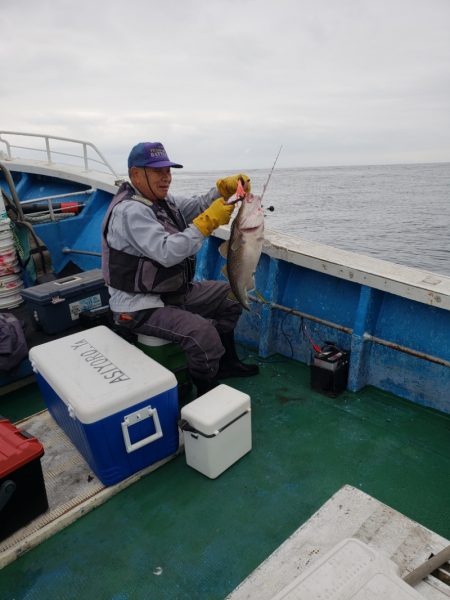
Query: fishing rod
x,y
270,175
240,196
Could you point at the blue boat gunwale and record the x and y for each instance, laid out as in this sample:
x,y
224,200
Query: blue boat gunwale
x,y
408,282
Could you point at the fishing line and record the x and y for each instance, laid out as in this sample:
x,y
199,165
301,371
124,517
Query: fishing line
x,y
262,300
271,208
302,328
286,335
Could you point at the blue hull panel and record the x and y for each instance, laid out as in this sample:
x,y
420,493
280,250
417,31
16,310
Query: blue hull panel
x,y
362,320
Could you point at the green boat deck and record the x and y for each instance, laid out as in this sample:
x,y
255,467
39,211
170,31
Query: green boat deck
x,y
175,534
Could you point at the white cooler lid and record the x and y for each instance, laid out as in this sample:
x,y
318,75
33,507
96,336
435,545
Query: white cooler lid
x,y
349,571
215,409
98,373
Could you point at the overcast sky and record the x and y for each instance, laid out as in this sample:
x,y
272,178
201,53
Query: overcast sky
x,y
224,83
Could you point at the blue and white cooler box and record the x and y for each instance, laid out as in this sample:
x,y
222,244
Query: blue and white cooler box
x,y
118,406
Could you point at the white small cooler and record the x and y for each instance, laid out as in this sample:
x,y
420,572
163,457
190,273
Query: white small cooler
x,y
118,406
217,430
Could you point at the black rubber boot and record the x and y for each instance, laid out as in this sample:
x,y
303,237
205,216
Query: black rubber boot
x,y
204,385
230,364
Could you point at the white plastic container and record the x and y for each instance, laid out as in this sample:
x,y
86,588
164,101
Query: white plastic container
x,y
10,269
217,430
151,340
11,301
349,571
10,284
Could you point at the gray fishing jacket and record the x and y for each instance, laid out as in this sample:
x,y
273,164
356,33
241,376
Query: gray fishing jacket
x,y
148,250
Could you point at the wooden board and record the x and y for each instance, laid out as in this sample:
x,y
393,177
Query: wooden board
x,y
349,513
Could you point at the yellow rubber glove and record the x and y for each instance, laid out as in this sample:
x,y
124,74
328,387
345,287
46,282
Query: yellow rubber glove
x,y
227,186
218,213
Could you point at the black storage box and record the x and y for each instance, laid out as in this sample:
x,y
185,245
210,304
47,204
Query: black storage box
x,y
22,489
56,305
329,371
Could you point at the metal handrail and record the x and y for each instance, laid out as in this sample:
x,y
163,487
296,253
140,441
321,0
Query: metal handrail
x,y
49,151
49,199
44,199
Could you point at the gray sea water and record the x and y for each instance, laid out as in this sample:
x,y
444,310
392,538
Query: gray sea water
x,y
399,213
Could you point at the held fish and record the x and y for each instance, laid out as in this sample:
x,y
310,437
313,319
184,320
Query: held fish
x,y
244,247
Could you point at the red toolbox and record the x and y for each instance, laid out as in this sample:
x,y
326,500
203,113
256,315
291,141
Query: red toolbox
x,y
22,489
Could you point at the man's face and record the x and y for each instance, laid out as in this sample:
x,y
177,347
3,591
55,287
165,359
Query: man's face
x,y
154,184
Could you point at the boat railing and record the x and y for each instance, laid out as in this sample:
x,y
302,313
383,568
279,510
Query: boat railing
x,y
39,213
51,212
51,152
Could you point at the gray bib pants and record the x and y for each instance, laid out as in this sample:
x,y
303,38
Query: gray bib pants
x,y
194,321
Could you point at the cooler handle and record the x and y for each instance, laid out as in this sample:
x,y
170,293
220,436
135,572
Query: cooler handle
x,y
129,420
7,489
67,280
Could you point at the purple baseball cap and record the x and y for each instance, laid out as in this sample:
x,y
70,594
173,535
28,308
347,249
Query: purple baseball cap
x,y
150,154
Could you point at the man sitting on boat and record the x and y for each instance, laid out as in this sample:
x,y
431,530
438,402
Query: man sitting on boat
x,y
149,242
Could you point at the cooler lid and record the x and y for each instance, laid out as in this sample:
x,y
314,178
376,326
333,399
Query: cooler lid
x,y
215,409
97,373
17,448
64,287
349,571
